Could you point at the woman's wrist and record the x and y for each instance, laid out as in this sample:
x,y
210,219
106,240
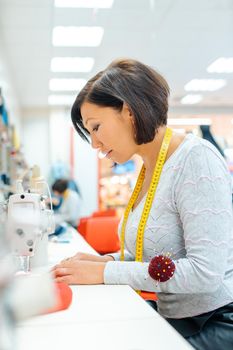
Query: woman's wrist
x,y
108,258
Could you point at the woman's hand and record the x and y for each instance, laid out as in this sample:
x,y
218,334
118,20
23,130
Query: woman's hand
x,y
74,271
89,257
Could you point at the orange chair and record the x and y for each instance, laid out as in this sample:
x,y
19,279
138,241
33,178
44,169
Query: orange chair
x,y
82,226
107,212
101,234
148,295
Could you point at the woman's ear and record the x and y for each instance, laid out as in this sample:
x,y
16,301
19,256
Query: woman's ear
x,y
128,115
127,111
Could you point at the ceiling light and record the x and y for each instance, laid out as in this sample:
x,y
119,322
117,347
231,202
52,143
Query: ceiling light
x,y
84,3
66,84
61,100
72,64
205,84
221,65
189,121
191,99
77,36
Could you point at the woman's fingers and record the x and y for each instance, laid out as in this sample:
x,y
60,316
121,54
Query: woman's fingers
x,y
83,257
78,256
79,272
65,279
62,271
68,259
65,263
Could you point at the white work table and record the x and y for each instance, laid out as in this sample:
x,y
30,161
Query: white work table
x,y
100,317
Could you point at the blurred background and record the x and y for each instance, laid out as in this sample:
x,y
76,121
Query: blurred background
x,y
50,48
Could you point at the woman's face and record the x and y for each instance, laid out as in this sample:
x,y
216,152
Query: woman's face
x,y
111,132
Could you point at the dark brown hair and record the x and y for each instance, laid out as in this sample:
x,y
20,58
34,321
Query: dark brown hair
x,y
60,185
128,81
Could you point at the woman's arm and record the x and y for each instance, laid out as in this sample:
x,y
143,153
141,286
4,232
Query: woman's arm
x,y
202,197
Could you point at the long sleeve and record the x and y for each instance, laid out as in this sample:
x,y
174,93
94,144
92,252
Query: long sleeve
x,y
202,199
127,256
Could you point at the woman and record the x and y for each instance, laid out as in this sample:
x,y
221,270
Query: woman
x,y
68,209
181,206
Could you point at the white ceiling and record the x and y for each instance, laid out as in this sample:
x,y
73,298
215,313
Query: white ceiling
x,y
178,37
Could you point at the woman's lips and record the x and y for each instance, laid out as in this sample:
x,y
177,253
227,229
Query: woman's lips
x,y
108,155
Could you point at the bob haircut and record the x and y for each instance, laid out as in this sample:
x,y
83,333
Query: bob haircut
x,y
128,81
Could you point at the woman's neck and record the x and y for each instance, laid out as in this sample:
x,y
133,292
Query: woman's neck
x,y
149,151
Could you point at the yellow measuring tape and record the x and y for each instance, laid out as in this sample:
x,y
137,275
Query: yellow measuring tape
x,y
149,199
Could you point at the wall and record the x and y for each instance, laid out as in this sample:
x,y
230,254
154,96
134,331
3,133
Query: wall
x,y
8,92
46,141
85,159
86,173
35,138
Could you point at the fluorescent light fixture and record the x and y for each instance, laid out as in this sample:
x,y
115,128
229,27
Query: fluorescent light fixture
x,y
77,36
189,121
104,4
205,84
66,84
221,65
61,100
191,99
72,64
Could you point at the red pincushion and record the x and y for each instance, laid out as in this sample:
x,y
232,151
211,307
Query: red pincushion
x,y
161,268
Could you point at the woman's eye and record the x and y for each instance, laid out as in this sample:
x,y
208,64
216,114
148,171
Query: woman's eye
x,y
95,128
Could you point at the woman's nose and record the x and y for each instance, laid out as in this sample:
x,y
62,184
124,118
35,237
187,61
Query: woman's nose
x,y
95,143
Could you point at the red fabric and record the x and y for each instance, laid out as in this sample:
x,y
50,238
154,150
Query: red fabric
x,y
64,296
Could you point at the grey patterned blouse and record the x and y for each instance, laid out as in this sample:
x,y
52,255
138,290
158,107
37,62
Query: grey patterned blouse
x,y
191,217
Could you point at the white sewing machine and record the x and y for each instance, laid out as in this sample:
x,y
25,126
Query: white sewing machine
x,y
29,222
20,296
